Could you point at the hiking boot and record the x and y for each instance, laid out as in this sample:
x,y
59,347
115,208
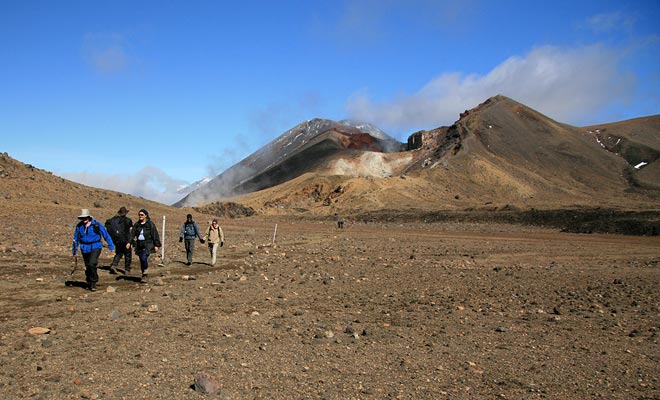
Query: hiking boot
x,y
92,286
144,278
113,270
127,271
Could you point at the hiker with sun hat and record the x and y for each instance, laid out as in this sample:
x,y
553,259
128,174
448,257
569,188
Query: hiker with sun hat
x,y
87,237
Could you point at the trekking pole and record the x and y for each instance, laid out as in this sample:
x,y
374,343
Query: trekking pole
x,y
74,251
75,264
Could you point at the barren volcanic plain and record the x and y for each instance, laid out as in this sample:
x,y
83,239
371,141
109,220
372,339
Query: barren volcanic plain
x,y
371,311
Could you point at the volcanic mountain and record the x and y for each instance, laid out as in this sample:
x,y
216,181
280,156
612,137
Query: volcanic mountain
x,y
309,146
500,154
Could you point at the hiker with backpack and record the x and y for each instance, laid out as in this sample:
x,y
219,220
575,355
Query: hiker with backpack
x,y
87,236
215,237
144,240
189,232
119,228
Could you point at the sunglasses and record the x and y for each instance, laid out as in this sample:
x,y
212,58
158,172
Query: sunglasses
x,y
142,214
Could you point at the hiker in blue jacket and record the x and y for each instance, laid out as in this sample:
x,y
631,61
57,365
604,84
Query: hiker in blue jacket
x,y
189,232
87,236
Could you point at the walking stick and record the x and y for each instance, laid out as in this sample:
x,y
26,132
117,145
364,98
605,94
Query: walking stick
x,y
75,264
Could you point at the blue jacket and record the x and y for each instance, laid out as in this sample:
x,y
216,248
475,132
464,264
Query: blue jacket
x,y
88,239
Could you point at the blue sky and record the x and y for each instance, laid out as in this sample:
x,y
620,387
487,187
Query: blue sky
x,y
143,96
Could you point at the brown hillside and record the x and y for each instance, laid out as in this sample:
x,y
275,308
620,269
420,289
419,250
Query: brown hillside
x,y
540,161
637,141
39,209
500,161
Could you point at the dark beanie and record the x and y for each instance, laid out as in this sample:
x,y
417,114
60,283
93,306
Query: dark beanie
x,y
145,212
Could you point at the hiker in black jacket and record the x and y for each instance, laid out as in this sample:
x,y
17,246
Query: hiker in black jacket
x,y
119,228
189,232
145,240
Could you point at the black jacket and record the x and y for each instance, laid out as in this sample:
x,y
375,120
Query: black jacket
x,y
151,238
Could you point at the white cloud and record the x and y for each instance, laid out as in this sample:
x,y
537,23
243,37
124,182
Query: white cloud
x,y
105,52
609,22
367,23
565,84
149,182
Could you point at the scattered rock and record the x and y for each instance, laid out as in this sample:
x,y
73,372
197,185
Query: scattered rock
x,y
205,383
38,330
86,394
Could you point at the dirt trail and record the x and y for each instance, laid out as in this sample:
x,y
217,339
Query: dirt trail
x,y
377,311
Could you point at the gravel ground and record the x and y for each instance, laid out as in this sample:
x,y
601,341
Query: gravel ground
x,y
412,311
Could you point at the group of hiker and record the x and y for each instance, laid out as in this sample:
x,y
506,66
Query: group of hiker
x,y
123,236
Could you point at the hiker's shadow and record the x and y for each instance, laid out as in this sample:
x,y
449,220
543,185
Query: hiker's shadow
x,y
79,284
128,278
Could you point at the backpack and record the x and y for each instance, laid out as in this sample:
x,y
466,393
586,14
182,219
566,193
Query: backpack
x,y
97,228
190,229
117,228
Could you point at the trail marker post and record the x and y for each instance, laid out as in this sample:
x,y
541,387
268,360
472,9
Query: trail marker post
x,y
162,248
274,235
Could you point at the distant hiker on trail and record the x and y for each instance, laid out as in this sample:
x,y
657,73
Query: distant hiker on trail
x,y
87,236
215,237
340,221
189,232
119,228
145,240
